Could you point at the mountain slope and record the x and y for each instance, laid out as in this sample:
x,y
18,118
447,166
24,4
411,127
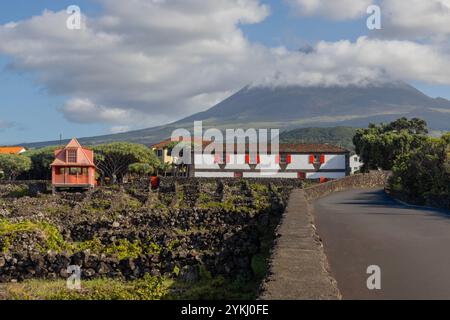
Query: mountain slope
x,y
339,136
298,107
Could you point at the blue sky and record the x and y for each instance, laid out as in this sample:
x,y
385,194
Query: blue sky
x,y
30,113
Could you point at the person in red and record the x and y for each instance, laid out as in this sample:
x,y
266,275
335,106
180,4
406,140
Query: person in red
x,y
323,180
154,182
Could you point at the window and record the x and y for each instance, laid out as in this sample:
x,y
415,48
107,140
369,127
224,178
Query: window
x,y
159,153
72,156
75,171
356,159
316,158
285,158
85,172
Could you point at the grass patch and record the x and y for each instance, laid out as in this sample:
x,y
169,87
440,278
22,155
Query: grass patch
x,y
147,288
53,240
19,192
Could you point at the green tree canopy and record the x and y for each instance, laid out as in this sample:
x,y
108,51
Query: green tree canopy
x,y
41,160
113,160
13,165
141,169
379,145
423,171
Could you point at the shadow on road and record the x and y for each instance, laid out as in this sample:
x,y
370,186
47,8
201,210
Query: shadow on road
x,y
378,198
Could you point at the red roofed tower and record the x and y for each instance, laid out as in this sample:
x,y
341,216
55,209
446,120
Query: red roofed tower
x,y
73,167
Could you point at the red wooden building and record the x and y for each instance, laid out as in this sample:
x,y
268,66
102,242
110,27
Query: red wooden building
x,y
73,167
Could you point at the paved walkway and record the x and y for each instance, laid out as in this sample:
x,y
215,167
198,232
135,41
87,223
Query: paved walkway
x,y
366,227
299,267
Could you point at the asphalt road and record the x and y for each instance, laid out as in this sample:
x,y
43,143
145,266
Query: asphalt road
x,y
366,227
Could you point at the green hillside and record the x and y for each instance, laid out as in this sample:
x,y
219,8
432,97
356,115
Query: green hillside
x,y
340,136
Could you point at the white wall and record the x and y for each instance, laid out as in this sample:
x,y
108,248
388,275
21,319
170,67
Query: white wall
x,y
217,174
205,162
300,162
284,175
328,175
334,161
355,163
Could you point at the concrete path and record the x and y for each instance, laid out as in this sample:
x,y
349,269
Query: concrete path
x,y
366,227
298,268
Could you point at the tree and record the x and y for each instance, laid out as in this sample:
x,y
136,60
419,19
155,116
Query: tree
x,y
13,165
141,169
423,172
413,126
164,168
113,160
41,160
379,146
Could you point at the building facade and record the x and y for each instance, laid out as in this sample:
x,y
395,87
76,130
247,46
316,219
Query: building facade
x,y
73,167
293,161
355,163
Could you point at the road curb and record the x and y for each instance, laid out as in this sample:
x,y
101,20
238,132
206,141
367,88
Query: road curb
x,y
299,268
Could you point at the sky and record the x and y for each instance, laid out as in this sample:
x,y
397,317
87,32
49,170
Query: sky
x,y
140,63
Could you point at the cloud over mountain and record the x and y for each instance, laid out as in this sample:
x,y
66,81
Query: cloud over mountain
x,y
140,63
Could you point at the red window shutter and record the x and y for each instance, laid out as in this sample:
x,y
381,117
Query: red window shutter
x,y
247,159
288,159
228,158
322,158
217,158
278,159
311,159
258,159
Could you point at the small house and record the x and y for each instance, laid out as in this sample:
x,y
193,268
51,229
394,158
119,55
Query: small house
x,y
73,167
12,150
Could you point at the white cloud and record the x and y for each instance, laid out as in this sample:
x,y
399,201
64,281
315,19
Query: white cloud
x,y
366,61
333,9
406,19
416,18
160,58
143,63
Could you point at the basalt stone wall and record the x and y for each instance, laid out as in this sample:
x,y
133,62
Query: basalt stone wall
x,y
28,187
367,180
128,231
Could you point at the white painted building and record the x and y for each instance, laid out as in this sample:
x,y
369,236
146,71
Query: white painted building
x,y
355,164
295,161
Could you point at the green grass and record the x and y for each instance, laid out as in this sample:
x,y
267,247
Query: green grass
x,y
147,288
19,192
53,238
54,241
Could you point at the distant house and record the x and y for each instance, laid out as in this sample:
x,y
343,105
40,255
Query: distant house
x,y
294,161
12,150
163,152
355,164
73,167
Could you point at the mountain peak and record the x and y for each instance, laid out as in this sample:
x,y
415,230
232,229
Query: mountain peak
x,y
289,107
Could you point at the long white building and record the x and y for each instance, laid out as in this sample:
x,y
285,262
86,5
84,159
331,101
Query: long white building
x,y
293,161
